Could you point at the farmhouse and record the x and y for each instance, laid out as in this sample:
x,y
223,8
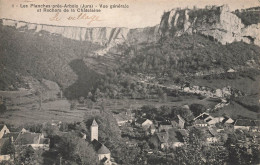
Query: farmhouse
x,y
200,123
160,140
145,123
164,127
171,138
35,140
209,119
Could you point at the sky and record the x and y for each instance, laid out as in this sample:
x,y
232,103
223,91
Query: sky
x,y
140,13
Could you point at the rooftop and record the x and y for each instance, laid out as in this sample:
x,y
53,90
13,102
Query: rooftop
x,y
141,120
202,116
163,137
103,150
27,138
99,147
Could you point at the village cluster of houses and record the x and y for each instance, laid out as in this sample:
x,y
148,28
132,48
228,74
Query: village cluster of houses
x,y
171,134
21,138
38,141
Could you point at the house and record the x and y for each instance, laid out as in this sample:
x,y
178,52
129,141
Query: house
x,y
103,152
209,119
144,123
3,130
200,123
164,126
245,124
171,138
227,120
35,140
160,140
181,121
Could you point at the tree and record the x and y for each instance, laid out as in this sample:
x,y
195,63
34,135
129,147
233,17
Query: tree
x,y
86,153
50,130
27,155
186,113
197,109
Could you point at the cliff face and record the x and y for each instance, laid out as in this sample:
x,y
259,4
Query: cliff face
x,y
217,23
101,35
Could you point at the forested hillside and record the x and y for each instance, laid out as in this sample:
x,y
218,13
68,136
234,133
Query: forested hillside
x,y
40,55
190,55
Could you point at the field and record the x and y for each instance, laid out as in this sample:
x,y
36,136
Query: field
x,y
60,109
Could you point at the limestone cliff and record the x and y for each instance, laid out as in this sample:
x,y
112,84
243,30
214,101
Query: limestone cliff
x,y
101,35
217,23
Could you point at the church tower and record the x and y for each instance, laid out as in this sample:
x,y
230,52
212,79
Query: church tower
x,y
94,130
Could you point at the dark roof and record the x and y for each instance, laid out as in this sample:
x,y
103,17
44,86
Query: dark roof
x,y
162,137
245,122
27,138
96,145
140,120
11,134
103,150
99,147
225,119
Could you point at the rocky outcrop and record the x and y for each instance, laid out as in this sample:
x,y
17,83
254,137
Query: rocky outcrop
x,y
217,23
101,35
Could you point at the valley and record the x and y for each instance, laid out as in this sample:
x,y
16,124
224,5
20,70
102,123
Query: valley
x,y
156,94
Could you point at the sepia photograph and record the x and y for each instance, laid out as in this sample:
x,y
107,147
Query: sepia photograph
x,y
129,82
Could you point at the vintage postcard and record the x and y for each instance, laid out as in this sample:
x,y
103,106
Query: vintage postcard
x,y
129,82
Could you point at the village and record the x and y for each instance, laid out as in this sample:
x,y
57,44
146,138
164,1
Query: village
x,y
163,129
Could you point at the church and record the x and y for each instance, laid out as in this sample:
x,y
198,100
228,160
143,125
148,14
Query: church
x,y
103,152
